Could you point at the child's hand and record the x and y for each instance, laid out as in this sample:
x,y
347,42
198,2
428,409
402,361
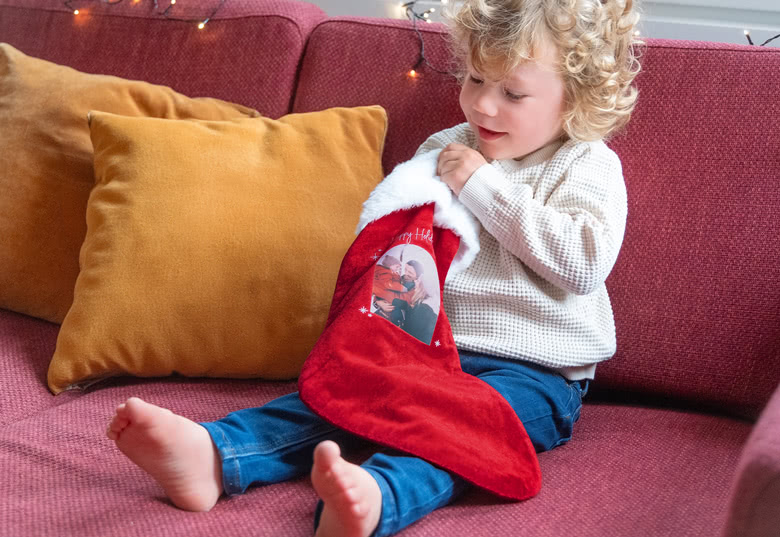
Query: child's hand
x,y
457,163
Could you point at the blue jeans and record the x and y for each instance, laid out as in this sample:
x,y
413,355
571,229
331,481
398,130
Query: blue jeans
x,y
275,442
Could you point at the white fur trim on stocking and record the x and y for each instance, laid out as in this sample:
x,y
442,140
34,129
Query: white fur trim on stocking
x,y
414,183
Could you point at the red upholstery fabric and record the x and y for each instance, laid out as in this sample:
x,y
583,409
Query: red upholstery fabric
x,y
351,60
755,496
133,41
62,476
26,347
695,289
636,472
628,471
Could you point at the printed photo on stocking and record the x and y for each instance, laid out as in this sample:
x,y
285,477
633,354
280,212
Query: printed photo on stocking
x,y
406,290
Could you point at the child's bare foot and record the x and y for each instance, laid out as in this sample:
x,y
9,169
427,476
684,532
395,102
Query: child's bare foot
x,y
353,501
176,452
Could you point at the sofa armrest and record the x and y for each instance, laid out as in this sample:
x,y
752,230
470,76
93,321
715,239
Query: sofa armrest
x,y
754,509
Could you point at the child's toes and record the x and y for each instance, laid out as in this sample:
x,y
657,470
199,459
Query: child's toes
x,y
117,424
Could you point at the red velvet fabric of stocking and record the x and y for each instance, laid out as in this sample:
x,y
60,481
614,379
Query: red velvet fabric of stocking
x,y
370,376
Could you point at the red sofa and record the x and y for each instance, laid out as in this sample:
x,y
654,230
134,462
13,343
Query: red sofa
x,y
680,435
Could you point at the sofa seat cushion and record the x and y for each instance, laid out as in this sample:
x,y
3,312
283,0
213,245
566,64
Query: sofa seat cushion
x,y
628,471
26,347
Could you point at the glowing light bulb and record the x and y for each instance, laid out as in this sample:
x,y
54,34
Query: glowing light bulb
x,y
201,25
173,2
75,11
412,74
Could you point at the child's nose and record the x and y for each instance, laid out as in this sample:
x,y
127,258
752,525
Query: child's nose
x,y
485,104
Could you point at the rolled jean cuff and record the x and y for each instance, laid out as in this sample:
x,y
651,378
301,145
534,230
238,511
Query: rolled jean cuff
x,y
231,472
388,523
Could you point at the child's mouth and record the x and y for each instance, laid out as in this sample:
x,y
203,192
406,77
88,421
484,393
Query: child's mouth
x,y
489,135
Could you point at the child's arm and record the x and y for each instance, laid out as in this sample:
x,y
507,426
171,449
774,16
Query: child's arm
x,y
568,231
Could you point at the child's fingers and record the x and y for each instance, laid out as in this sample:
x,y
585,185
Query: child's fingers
x,y
444,170
446,161
454,146
444,157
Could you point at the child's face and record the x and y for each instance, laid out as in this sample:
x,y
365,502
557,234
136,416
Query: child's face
x,y
518,114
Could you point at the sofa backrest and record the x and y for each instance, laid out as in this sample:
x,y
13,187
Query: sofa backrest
x,y
696,289
351,61
248,52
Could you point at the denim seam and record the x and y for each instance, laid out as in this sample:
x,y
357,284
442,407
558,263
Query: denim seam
x,y
303,434
387,520
228,455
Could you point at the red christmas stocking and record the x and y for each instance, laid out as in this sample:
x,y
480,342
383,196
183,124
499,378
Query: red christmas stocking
x,y
386,367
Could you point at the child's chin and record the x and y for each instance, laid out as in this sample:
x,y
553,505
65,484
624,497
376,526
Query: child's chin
x,y
491,153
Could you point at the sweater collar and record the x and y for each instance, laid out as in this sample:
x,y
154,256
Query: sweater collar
x,y
539,156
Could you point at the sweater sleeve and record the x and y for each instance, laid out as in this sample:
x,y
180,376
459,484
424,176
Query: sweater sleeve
x,y
570,232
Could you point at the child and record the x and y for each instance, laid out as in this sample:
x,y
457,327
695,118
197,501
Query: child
x,y
545,82
387,287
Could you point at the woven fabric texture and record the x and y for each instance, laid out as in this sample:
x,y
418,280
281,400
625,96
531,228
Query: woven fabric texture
x,y
131,40
351,60
755,496
695,289
59,456
26,347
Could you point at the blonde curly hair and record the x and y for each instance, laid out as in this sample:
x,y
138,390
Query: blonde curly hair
x,y
595,44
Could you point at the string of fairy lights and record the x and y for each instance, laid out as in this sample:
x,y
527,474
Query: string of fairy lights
x,y
408,8
76,6
750,40
165,13
424,16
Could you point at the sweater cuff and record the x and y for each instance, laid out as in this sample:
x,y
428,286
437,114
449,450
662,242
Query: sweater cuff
x,y
480,190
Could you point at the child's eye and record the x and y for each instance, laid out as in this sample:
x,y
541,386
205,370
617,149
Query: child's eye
x,y
513,96
474,79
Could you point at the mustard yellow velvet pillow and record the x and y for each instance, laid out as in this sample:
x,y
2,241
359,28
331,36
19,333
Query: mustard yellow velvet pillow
x,y
213,247
46,169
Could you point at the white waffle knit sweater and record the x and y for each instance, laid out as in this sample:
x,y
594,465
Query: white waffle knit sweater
x,y
551,228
